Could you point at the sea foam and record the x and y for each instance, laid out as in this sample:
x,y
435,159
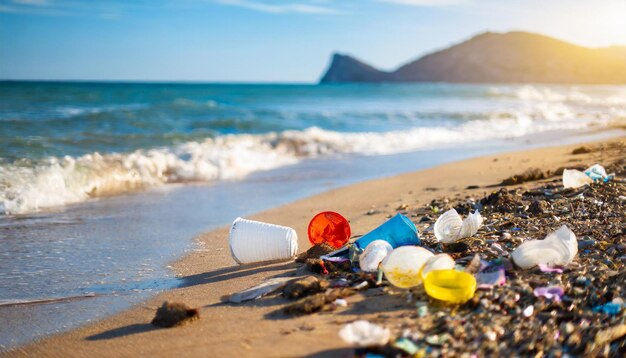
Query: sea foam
x,y
26,188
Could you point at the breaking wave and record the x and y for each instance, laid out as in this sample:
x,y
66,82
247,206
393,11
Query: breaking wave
x,y
29,186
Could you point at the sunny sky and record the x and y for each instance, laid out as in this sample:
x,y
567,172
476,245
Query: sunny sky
x,y
264,40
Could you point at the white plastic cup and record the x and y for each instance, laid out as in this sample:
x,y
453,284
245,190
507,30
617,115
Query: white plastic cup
x,y
254,241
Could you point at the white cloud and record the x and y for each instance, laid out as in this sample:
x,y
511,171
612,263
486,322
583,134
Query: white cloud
x,y
300,8
423,2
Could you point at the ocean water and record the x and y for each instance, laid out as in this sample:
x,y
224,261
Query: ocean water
x,y
65,143
103,184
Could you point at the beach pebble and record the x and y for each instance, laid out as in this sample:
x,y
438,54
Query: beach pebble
x,y
528,311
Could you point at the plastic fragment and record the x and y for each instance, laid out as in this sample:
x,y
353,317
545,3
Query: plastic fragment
x,y
573,178
450,285
549,269
406,345
260,290
558,248
373,255
438,262
488,279
612,309
364,334
554,293
596,172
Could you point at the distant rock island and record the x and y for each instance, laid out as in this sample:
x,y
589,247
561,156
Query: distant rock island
x,y
513,57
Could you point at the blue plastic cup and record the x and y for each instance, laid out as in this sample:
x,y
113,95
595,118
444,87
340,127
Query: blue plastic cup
x,y
397,231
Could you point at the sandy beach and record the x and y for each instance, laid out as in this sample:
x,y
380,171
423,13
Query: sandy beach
x,y
254,328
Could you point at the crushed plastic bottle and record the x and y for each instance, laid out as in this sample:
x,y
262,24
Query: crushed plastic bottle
x,y
573,178
558,249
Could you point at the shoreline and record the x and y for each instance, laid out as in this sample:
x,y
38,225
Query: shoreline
x,y
209,273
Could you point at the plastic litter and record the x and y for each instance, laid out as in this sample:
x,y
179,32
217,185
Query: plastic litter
x,y
450,285
330,228
402,267
254,241
450,228
260,290
558,248
597,172
438,262
612,309
488,279
554,293
397,231
364,334
573,178
406,345
373,255
549,269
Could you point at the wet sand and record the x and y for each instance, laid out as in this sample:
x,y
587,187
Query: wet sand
x,y
252,329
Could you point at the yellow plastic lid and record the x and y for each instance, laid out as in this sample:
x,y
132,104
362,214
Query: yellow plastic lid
x,y
450,285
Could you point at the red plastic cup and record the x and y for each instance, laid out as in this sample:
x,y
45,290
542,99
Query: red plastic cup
x,y
330,228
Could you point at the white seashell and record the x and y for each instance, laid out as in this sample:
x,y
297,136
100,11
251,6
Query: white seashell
x,y
558,248
449,227
471,224
364,334
438,262
573,178
374,254
402,267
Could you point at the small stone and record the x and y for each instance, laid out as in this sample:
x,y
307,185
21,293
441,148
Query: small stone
x,y
586,244
528,311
